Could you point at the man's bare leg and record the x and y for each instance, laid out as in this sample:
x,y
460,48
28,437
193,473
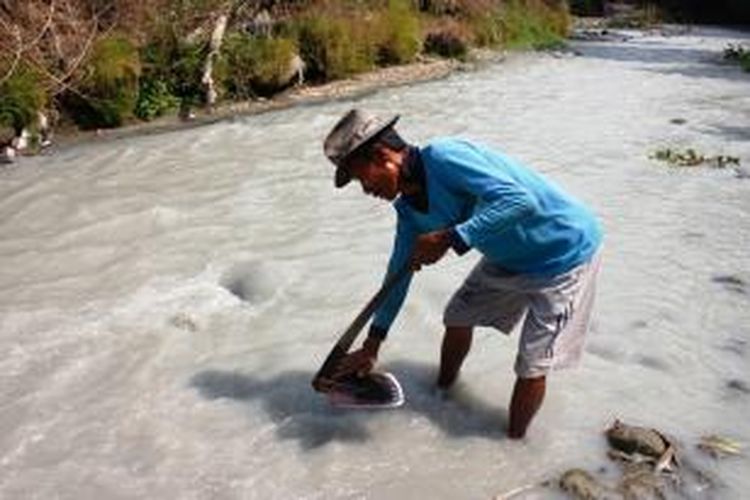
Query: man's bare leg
x,y
528,395
456,345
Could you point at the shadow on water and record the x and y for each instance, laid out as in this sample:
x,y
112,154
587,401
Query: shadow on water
x,y
733,132
690,62
304,416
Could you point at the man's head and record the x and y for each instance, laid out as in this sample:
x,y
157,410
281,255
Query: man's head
x,y
367,149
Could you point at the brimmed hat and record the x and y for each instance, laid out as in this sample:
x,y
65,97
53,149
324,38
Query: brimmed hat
x,y
356,129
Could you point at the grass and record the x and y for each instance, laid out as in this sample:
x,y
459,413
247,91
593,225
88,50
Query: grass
x,y
691,158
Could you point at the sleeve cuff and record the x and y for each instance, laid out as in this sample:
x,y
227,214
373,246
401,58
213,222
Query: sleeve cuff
x,y
378,332
457,243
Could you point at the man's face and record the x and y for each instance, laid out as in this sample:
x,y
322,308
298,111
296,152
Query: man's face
x,y
379,175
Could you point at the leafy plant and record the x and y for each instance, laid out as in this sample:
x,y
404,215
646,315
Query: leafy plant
x,y
154,99
332,47
108,88
178,63
401,34
251,66
21,97
532,24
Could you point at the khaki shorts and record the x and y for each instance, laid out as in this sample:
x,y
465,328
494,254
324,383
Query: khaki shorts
x,y
555,312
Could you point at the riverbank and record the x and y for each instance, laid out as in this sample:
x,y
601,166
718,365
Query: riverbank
x,y
425,69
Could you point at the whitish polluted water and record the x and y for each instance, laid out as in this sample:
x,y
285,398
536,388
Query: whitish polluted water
x,y
165,300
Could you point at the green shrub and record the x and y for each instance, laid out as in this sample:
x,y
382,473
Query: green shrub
x,y
332,46
251,66
487,28
400,40
108,88
532,24
178,64
21,97
154,99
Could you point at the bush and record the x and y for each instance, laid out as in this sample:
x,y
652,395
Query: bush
x,y
108,89
177,64
251,66
400,38
488,28
533,24
21,97
449,40
332,47
154,99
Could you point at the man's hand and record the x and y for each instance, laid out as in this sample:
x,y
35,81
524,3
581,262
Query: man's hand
x,y
430,248
361,361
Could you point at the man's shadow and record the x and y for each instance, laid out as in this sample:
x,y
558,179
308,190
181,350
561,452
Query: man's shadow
x,y
305,416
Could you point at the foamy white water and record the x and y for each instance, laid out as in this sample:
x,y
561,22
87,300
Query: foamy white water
x,y
165,300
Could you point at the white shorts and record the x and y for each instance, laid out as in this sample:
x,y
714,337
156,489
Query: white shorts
x,y
557,311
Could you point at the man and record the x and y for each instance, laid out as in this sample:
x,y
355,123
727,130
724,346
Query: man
x,y
539,249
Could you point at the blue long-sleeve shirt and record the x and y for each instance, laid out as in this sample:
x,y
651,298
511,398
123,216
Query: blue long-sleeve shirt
x,y
514,216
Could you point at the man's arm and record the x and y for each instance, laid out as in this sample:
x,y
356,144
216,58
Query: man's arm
x,y
363,359
402,249
499,200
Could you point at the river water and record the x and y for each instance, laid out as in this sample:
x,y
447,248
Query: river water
x,y
165,300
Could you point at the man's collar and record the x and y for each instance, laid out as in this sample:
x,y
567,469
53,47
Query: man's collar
x,y
414,174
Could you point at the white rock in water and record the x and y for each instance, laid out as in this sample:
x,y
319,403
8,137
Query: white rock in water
x,y
7,155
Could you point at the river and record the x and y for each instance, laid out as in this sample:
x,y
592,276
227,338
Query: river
x,y
165,300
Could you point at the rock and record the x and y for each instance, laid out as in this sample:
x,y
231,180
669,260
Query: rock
x,y
640,483
731,282
583,486
738,385
184,322
7,155
632,439
741,173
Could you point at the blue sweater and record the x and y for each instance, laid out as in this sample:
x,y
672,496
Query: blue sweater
x,y
512,215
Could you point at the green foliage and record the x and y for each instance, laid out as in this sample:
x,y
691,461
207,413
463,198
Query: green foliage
x,y
109,86
401,34
251,66
487,28
154,99
333,47
21,97
531,24
176,63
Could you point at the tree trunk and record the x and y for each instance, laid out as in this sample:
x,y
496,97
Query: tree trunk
x,y
214,48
